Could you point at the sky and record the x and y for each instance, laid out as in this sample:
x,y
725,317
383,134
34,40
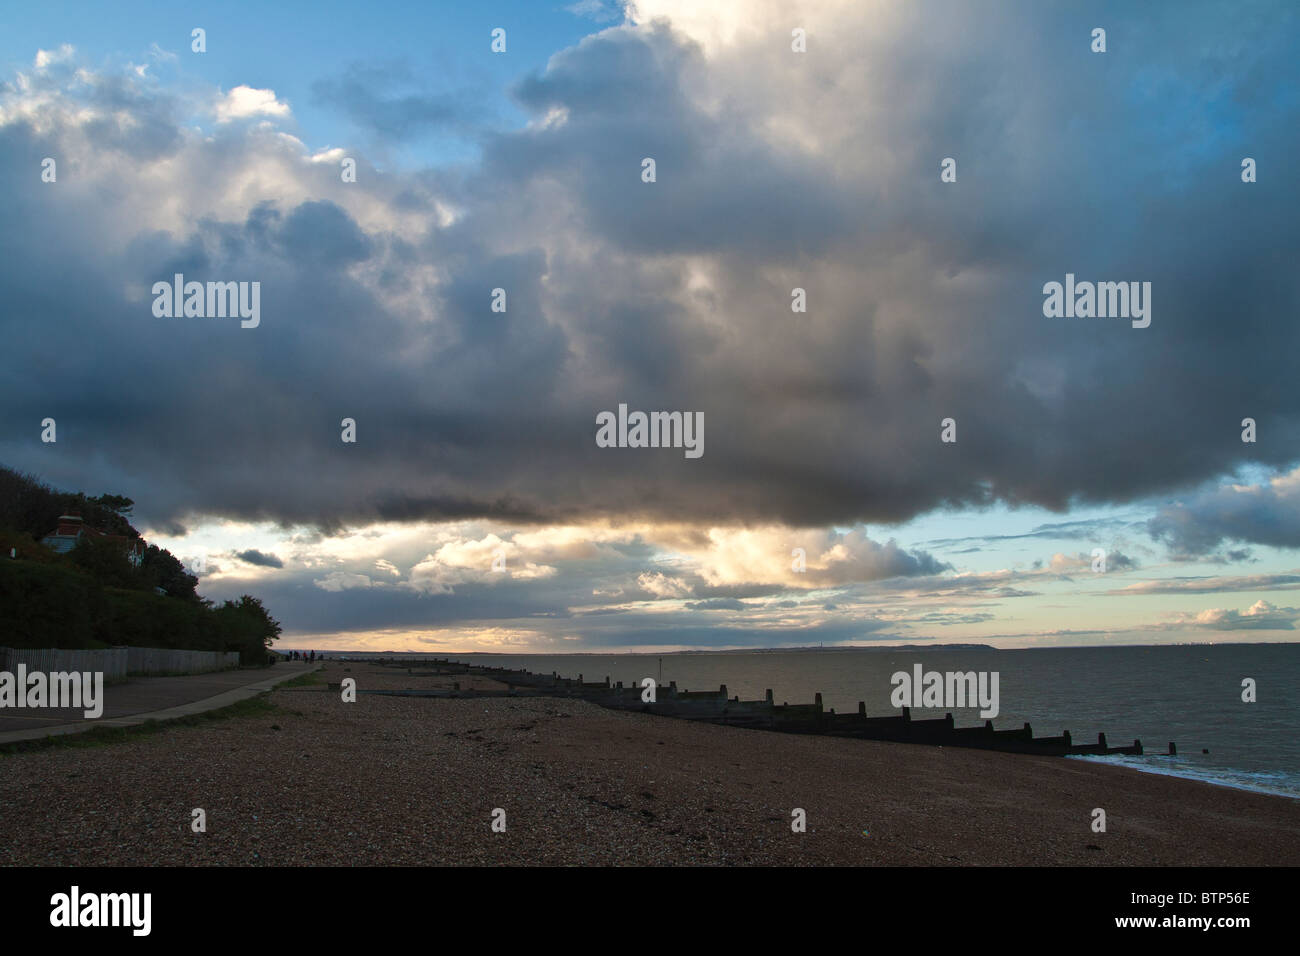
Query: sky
x,y
1098,490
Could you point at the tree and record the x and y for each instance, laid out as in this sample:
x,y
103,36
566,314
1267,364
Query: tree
x,y
246,626
105,560
160,568
115,503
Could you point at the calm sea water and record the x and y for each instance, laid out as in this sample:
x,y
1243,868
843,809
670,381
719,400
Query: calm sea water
x,y
1188,694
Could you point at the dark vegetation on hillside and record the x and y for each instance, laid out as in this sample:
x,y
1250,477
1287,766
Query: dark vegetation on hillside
x,y
93,596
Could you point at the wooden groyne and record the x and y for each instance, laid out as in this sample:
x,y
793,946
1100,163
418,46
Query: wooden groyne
x,y
716,707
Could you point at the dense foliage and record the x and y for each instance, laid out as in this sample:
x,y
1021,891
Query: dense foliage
x,y
93,596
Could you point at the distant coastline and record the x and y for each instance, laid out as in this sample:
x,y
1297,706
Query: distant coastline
x,y
617,652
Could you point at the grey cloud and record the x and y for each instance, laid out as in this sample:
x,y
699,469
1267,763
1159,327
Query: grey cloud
x,y
1119,561
1212,585
1009,592
1267,514
1090,529
718,604
924,299
253,556
390,100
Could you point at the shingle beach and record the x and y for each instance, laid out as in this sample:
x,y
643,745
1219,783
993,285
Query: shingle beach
x,y
415,781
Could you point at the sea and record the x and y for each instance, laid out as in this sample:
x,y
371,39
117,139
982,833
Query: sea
x,y
1190,694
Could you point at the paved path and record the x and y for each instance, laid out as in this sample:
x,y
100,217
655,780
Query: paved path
x,y
150,698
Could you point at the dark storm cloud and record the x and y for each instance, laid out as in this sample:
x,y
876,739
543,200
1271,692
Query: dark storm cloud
x,y
924,298
719,187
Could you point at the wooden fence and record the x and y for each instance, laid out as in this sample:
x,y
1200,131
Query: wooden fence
x,y
118,663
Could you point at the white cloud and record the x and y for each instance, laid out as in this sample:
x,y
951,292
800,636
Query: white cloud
x,y
333,154
244,101
765,555
663,586
466,559
1259,616
342,581
45,57
158,53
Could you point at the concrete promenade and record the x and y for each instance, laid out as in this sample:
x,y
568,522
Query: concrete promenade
x,y
150,698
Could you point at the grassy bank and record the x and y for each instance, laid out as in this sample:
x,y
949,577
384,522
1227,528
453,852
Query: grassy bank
x,y
259,706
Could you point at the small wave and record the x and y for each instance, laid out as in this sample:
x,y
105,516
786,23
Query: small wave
x,y
1276,784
